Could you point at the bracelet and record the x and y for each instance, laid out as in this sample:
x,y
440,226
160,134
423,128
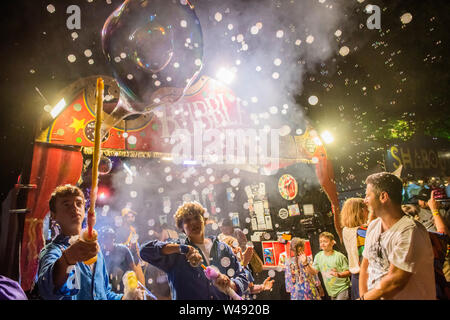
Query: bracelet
x,y
65,259
435,213
184,249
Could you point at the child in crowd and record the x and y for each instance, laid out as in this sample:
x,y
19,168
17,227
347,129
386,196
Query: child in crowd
x,y
244,259
302,283
182,261
62,274
334,268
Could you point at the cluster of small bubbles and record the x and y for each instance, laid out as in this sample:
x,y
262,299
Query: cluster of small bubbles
x,y
310,39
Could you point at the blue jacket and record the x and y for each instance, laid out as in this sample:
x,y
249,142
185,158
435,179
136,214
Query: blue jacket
x,y
188,283
82,283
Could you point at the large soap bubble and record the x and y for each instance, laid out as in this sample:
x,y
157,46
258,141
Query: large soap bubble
x,y
155,49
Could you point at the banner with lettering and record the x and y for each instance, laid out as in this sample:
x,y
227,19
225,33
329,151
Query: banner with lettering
x,y
420,158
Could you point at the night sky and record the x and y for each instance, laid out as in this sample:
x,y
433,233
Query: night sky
x,y
398,73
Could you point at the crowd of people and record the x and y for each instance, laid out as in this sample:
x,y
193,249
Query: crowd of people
x,y
392,251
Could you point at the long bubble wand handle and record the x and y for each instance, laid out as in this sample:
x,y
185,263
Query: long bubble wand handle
x,y
96,154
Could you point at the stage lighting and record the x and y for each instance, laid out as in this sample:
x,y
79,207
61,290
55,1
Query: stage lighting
x,y
225,75
327,137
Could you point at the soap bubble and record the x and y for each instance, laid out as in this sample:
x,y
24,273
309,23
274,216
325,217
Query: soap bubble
x,y
271,273
406,18
344,51
105,165
225,262
313,100
151,35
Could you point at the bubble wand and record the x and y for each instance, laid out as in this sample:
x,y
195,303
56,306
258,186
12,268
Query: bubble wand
x,y
90,234
212,274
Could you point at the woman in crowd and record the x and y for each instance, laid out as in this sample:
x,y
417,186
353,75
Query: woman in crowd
x,y
354,219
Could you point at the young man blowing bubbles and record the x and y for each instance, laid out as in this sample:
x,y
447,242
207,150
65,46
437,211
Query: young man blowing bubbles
x,y
182,262
62,273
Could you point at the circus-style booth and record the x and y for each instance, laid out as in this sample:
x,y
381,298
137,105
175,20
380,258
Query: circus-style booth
x,y
267,205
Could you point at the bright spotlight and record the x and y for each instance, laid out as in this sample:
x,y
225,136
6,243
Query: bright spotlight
x,y
327,137
225,75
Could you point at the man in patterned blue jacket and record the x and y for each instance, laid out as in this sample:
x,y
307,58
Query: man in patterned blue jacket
x,y
182,262
62,274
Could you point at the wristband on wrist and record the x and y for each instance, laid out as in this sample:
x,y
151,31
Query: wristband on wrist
x,y
184,249
435,213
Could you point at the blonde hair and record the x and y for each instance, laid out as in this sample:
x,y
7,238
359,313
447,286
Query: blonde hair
x,y
352,214
188,209
326,234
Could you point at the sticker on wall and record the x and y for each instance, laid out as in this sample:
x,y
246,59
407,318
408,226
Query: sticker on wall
x,y
235,219
288,187
294,210
283,213
308,209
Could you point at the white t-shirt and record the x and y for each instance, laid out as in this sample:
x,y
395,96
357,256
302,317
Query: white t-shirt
x,y
349,237
206,249
408,247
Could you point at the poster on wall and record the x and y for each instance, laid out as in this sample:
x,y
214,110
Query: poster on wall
x,y
258,206
275,253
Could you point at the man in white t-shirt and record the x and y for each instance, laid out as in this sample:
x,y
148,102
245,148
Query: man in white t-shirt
x,y
398,257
